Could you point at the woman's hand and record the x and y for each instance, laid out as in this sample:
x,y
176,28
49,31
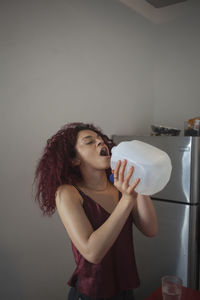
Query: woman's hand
x,y
121,182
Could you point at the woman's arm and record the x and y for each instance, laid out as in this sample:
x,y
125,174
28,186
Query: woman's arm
x,y
144,213
93,245
144,216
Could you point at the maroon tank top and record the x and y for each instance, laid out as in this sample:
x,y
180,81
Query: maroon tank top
x,y
117,271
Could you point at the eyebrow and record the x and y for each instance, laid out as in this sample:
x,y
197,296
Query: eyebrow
x,y
90,136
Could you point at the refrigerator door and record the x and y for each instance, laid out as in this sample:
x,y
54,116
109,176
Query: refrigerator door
x,y
171,252
185,157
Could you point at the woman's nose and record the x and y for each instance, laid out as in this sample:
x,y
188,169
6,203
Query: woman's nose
x,y
99,141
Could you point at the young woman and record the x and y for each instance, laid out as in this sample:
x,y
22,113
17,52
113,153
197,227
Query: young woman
x,y
73,176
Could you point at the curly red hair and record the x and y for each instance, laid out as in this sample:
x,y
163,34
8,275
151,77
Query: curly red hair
x,y
55,167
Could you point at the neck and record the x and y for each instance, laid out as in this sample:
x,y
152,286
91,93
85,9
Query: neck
x,y
97,181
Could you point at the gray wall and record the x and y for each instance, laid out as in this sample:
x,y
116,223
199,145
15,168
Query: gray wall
x,y
74,60
177,69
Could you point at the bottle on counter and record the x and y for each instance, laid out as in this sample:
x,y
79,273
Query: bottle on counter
x,y
192,127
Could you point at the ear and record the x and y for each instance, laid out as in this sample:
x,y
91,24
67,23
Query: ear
x,y
76,162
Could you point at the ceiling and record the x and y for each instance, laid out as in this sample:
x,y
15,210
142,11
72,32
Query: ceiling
x,y
163,3
158,11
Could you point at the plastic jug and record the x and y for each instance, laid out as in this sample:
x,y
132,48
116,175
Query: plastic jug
x,y
151,165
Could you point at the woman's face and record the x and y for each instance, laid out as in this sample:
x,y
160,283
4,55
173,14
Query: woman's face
x,y
91,150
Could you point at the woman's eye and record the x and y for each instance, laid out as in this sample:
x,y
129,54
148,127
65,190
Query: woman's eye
x,y
90,142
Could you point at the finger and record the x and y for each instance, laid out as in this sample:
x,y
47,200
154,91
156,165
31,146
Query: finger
x,y
116,171
134,185
129,174
121,170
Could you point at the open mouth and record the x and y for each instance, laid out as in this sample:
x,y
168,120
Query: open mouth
x,y
104,152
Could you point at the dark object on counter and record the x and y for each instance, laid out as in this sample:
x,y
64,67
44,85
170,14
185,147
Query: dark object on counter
x,y
192,127
162,130
190,132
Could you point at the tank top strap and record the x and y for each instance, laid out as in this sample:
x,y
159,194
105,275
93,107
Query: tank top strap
x,y
80,192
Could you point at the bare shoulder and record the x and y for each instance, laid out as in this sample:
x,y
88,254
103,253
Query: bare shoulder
x,y
67,194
